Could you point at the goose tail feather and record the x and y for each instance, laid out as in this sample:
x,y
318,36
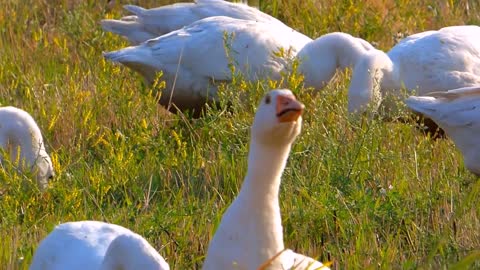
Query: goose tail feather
x,y
422,104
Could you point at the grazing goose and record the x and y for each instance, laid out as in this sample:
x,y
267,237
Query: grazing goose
x,y
191,61
151,23
95,245
458,113
250,232
20,137
194,59
429,61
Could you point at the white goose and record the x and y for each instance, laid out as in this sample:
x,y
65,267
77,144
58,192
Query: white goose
x,y
151,23
429,61
95,245
250,232
458,113
20,137
194,59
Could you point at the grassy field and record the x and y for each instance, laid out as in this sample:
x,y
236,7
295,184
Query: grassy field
x,y
365,194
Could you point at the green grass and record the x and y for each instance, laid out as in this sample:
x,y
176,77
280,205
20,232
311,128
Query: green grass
x,y
365,194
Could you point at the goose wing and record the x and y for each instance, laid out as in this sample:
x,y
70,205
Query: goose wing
x,y
293,260
452,109
150,23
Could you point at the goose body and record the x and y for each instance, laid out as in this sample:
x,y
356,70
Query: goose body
x,y
194,59
429,61
21,138
150,23
95,245
250,232
457,112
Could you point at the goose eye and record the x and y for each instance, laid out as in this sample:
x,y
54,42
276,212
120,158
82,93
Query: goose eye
x,y
267,99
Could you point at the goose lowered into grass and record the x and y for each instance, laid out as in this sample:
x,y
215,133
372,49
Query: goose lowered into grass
x,y
429,61
21,139
196,58
250,232
95,245
146,24
458,113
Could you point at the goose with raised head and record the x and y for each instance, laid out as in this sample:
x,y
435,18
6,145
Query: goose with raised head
x,y
457,112
95,245
21,139
194,59
146,24
429,61
250,232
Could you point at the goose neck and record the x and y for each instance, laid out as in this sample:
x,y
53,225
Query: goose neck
x,y
321,58
265,167
348,50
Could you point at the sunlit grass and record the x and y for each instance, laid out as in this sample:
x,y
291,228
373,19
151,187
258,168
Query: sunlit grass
x,y
363,193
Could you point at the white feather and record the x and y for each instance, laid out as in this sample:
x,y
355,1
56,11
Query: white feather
x,y
150,23
458,113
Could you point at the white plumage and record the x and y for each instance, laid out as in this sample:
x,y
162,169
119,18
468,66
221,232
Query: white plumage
x,y
95,245
150,23
321,58
458,113
194,59
21,138
429,61
250,232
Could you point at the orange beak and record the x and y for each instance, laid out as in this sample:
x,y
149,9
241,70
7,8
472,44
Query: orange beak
x,y
288,108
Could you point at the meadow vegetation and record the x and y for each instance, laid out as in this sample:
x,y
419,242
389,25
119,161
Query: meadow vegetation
x,y
363,193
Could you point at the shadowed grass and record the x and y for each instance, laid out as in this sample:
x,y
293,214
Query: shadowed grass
x,y
363,193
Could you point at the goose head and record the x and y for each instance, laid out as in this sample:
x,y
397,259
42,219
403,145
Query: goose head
x,y
278,119
28,148
43,168
131,251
